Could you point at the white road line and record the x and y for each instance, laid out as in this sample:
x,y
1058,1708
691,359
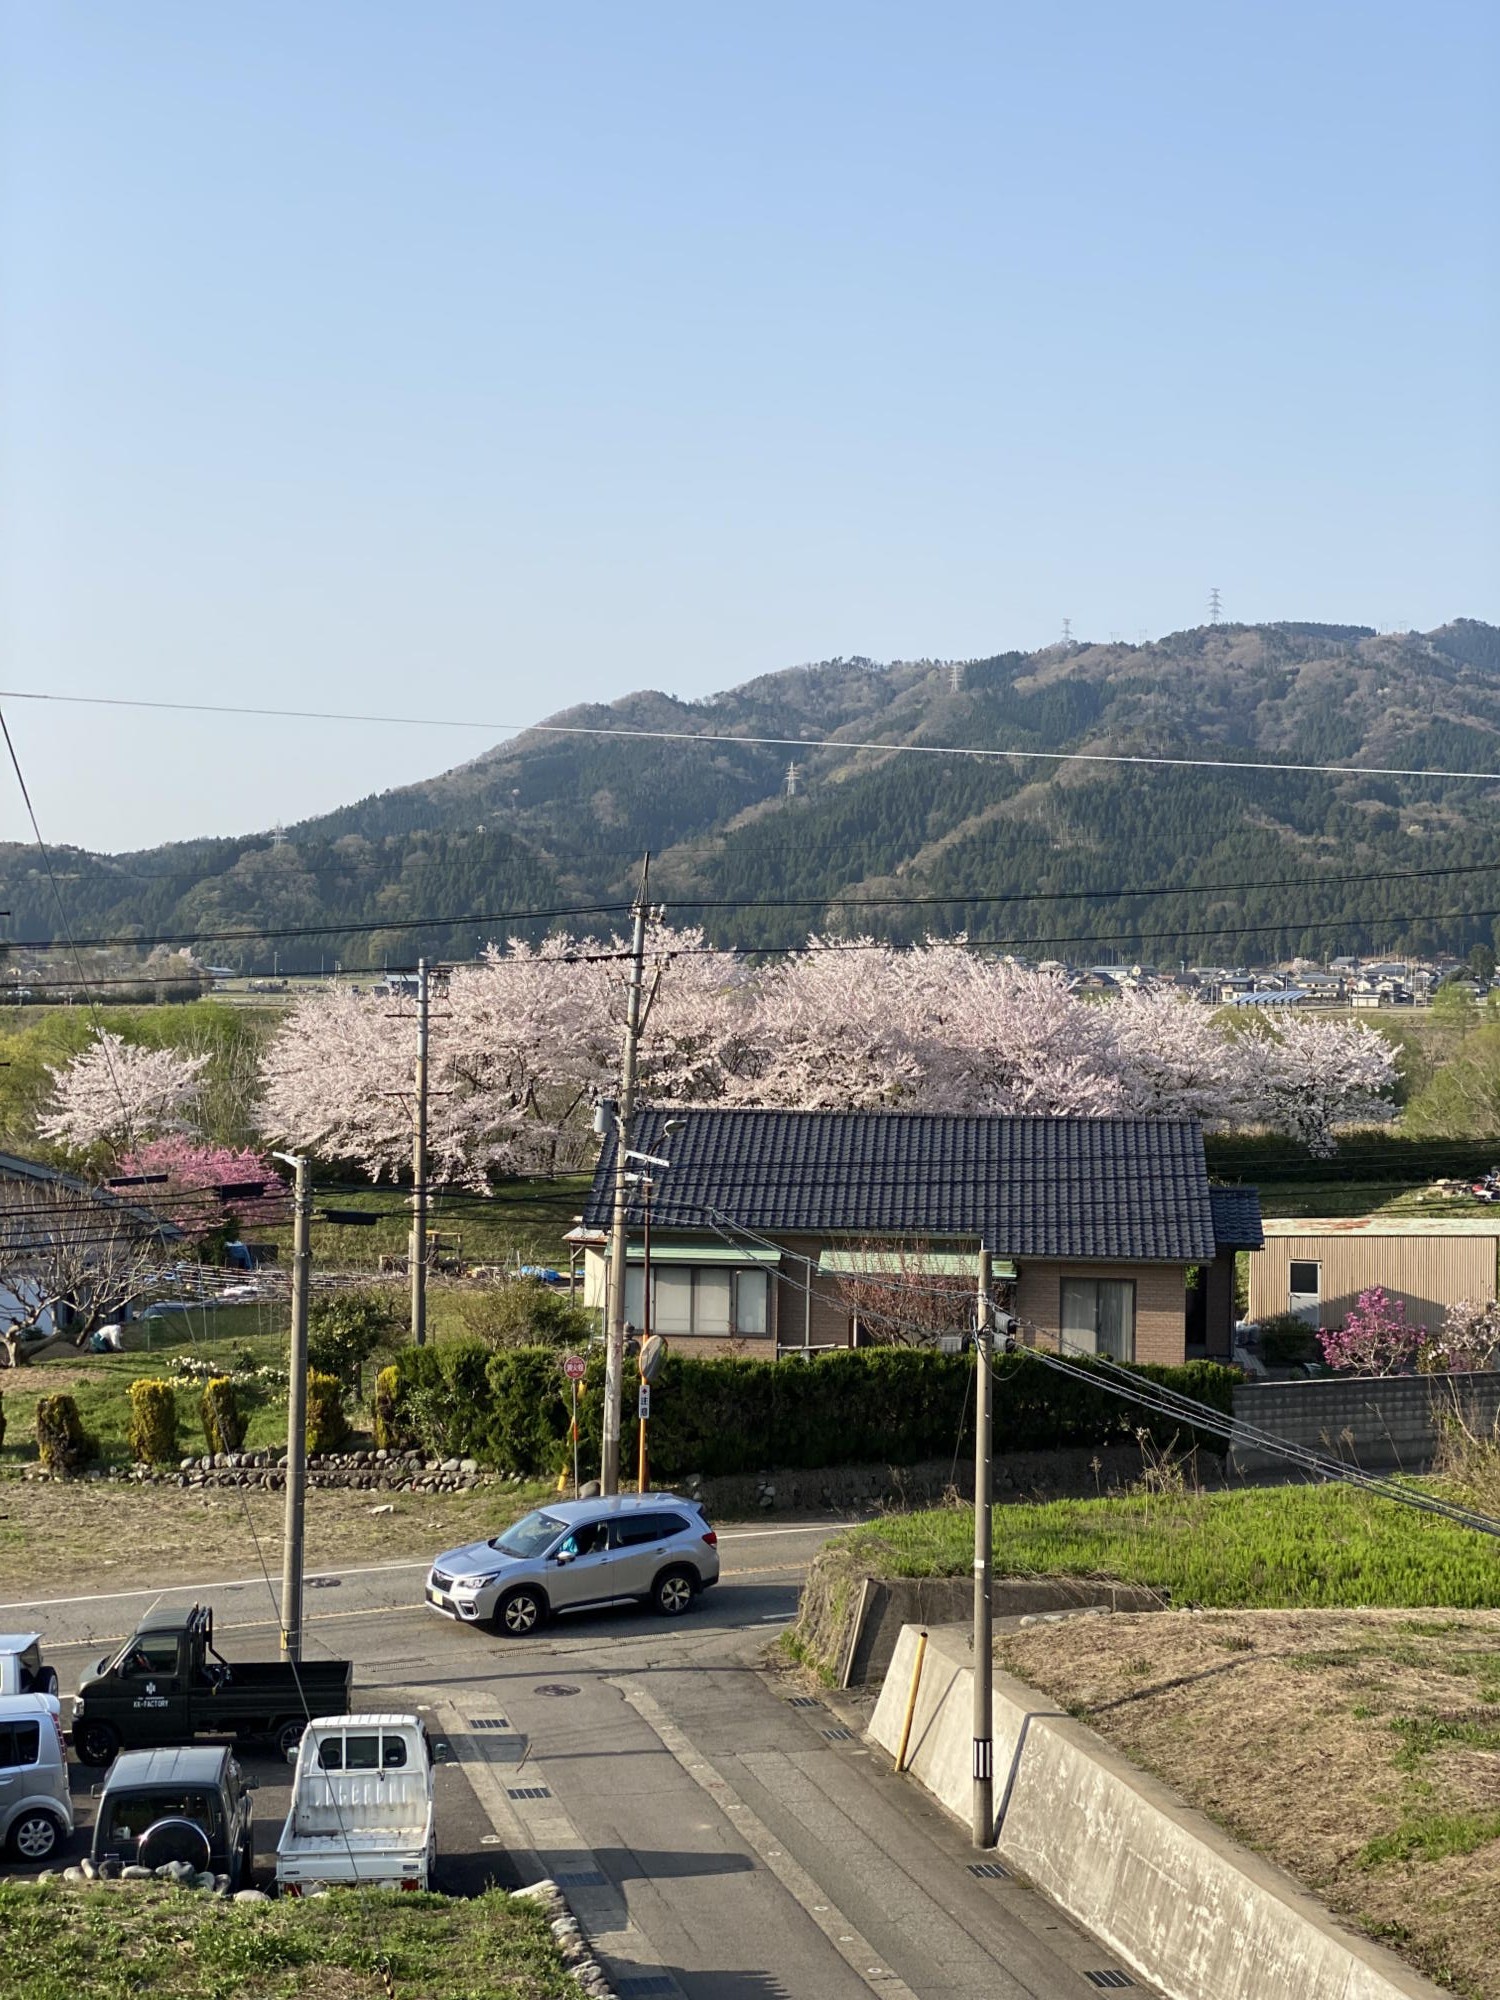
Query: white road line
x,y
370,1569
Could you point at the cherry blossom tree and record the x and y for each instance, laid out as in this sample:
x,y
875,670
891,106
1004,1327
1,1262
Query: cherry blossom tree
x,y
1306,1075
1173,1060
116,1093
1467,1342
195,1173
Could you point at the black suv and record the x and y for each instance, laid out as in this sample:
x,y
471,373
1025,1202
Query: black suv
x,y
189,1805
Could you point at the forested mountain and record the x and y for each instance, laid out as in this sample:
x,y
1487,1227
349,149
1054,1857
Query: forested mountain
x,y
545,822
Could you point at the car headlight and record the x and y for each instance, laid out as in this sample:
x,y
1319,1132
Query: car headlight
x,y
473,1582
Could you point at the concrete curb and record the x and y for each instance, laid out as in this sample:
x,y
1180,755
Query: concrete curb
x,y
1180,1902
578,1954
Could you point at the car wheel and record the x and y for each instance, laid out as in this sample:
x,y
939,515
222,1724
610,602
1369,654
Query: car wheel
x,y
35,1836
45,1682
96,1742
672,1592
287,1737
520,1613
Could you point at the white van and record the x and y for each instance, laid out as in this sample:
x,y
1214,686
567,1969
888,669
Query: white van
x,y
36,1813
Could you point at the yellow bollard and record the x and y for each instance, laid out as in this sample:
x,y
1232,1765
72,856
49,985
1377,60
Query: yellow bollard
x,y
911,1699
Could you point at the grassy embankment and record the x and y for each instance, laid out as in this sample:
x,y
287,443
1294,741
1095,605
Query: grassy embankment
x,y
1308,1711
117,1942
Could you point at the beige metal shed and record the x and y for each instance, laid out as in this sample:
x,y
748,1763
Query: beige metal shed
x,y
1318,1266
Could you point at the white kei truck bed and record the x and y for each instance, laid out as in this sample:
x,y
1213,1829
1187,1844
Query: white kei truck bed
x,y
362,1806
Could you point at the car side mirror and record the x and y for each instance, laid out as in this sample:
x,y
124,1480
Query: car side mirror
x,y
96,1791
250,1784
564,1556
441,1754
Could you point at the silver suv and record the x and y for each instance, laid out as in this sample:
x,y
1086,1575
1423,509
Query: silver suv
x,y
651,1548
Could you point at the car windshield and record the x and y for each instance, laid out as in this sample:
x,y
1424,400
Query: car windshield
x,y
532,1535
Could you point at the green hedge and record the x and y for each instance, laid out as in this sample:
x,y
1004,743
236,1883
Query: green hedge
x,y
894,1406
223,1419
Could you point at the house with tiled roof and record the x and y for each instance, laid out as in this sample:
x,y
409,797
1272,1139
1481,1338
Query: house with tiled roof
x,y
1104,1234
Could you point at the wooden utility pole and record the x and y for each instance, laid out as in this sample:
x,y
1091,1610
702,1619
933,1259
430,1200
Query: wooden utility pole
x,y
614,1353
296,1413
417,1259
984,1664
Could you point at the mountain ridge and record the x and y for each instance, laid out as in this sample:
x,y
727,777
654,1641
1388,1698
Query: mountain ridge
x,y
545,821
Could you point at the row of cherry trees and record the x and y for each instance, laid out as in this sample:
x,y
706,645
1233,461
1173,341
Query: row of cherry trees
x,y
524,1041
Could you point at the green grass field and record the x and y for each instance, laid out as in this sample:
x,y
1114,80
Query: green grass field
x,y
1260,1548
122,1941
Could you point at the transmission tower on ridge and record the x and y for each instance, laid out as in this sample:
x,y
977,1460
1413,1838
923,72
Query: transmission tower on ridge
x,y
1213,605
792,775
1067,631
955,676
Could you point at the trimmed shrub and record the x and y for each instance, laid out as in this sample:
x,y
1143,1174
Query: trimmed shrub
x,y
327,1425
153,1422
1288,1342
714,1415
346,1328
223,1419
63,1445
391,1434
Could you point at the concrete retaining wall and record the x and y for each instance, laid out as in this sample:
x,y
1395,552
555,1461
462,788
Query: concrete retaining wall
x,y
893,1602
1379,1425
1180,1902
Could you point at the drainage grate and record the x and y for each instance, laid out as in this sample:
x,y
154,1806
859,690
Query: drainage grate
x,y
490,1722
839,1735
991,1871
804,1701
529,1792
578,1878
638,1985
1110,1977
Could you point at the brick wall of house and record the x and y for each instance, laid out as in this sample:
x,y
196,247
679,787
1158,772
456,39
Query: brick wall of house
x,y
1160,1303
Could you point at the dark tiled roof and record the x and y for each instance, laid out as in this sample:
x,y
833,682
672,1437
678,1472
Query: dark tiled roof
x,y
1098,1188
1236,1212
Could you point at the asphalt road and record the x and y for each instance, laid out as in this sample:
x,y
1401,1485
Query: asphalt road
x,y
720,1833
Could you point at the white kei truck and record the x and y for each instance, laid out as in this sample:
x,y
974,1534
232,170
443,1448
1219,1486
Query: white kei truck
x,y
362,1806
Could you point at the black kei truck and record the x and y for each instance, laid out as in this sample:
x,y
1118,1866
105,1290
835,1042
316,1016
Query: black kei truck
x,y
167,1684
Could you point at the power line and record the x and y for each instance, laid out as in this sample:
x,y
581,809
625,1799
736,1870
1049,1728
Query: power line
x,y
840,745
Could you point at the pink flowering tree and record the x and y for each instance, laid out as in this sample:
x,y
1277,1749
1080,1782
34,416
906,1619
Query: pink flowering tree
x,y
116,1093
1305,1075
195,1173
1375,1339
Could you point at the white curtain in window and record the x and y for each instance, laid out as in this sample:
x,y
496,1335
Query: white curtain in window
x,y
673,1301
1117,1318
1080,1305
751,1302
711,1302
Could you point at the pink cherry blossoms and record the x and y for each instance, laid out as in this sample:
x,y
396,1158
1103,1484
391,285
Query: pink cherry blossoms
x,y
525,1040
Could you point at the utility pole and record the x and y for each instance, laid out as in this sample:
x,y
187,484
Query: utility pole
x,y
296,1413
417,1259
614,1353
984,1663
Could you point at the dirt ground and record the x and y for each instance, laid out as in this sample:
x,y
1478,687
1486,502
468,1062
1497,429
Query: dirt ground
x,y
53,1533
1359,1750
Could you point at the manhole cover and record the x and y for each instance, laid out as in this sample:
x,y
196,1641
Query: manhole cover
x,y
556,1687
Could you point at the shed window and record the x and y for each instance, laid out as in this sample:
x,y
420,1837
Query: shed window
x,y
1303,1279
1098,1317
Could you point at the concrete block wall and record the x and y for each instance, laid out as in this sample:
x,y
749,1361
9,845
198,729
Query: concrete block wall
x,y
1380,1425
1179,1902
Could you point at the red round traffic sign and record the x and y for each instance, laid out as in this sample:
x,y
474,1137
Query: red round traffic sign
x,y
575,1367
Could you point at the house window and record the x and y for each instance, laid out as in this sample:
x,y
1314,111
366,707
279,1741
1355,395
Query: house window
x,y
1098,1317
690,1299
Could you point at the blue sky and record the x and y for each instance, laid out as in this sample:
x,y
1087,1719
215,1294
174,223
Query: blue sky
x,y
480,359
